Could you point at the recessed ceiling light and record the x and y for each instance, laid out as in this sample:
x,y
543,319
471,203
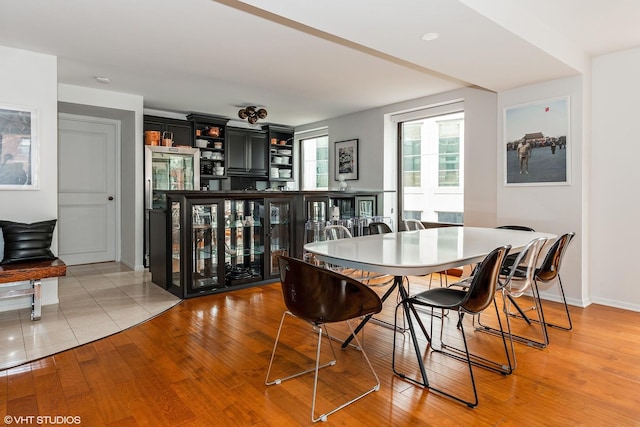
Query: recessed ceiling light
x,y
430,36
103,80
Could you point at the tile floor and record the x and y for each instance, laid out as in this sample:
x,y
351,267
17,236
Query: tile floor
x,y
96,300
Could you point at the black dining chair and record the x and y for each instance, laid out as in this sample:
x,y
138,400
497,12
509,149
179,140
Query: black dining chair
x,y
512,256
479,295
550,270
320,296
516,227
379,228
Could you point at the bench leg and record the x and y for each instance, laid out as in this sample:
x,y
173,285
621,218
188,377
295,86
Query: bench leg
x,y
36,302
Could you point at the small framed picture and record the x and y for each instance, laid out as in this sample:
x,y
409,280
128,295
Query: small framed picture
x,y
537,144
346,156
18,148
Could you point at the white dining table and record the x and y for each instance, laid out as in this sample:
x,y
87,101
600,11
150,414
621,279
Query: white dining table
x,y
418,252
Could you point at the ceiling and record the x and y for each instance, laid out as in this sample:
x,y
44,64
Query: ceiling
x,y
305,60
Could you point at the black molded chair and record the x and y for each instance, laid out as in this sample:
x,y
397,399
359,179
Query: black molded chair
x,y
517,227
512,256
379,228
550,270
478,296
320,296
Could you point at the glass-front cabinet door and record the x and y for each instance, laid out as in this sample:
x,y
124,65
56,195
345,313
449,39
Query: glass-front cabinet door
x,y
365,206
175,278
243,241
279,233
206,273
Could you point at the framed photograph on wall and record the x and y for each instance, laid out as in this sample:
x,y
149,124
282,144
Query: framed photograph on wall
x,y
347,159
18,148
537,143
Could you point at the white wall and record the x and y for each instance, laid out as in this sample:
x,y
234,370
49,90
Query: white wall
x,y
378,149
615,198
555,209
29,79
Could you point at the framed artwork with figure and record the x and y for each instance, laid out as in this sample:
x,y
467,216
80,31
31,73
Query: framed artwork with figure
x,y
18,148
346,156
537,143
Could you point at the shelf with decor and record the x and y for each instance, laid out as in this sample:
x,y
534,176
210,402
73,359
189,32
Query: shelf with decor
x,y
281,153
209,135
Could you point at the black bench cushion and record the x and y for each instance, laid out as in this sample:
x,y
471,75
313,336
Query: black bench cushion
x,y
27,242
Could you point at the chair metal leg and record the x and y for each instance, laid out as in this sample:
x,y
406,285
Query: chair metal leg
x,y
544,337
520,310
317,367
493,331
566,309
273,354
483,362
388,325
425,380
440,273
376,387
408,309
541,319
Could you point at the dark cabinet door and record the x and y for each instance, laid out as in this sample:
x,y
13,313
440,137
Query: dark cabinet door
x,y
236,148
246,152
279,233
181,129
258,147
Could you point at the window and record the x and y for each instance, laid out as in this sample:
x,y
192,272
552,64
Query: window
x,y
315,163
450,217
411,159
449,153
431,144
412,215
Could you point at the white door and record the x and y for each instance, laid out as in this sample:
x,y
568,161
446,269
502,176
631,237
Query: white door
x,y
87,201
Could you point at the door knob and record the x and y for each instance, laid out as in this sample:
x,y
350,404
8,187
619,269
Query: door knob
x,y
110,197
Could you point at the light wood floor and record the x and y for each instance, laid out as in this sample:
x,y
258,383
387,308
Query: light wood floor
x,y
203,363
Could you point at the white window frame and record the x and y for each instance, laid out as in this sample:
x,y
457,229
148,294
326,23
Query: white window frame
x,y
450,107
308,134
